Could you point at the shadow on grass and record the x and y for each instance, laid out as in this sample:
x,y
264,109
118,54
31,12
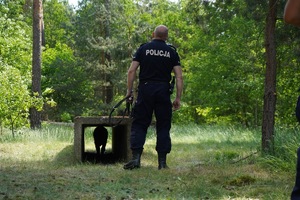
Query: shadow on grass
x,y
107,158
66,157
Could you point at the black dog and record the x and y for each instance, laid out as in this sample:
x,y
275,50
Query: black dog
x,y
100,139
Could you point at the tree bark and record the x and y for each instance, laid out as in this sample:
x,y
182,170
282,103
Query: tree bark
x,y
35,115
270,80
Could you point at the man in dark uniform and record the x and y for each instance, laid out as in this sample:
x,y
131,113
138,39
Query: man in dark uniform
x,y
292,16
157,61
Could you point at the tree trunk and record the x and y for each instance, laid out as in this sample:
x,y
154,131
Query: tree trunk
x,y
107,88
35,115
270,80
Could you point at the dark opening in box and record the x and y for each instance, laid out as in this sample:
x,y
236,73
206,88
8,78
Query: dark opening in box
x,y
119,132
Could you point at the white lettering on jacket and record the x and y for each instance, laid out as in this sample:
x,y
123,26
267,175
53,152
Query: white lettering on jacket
x,y
155,52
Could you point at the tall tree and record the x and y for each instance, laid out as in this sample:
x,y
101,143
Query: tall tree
x,y
107,88
270,80
35,115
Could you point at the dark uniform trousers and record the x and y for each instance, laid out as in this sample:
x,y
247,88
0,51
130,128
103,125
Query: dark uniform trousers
x,y
152,97
296,191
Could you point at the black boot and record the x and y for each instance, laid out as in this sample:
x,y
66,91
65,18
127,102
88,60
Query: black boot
x,y
135,162
162,161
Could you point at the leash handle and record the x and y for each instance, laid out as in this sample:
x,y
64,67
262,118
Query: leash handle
x,y
128,103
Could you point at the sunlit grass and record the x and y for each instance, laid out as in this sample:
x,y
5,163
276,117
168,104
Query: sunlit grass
x,y
206,162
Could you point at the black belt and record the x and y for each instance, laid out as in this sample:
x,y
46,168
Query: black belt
x,y
155,82
162,82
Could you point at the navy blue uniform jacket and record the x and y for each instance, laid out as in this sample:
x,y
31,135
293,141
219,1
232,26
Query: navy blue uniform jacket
x,y
157,60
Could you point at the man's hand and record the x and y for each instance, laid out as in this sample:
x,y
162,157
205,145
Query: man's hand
x,y
129,96
176,104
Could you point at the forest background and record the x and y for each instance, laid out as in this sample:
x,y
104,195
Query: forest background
x,y
88,50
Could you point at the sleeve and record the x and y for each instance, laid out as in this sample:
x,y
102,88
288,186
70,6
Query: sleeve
x,y
137,55
176,60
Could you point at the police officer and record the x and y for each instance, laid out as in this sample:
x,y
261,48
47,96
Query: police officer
x,y
292,16
157,61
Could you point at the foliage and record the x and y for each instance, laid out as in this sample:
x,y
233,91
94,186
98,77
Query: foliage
x,y
15,42
228,79
288,71
12,9
15,61
221,45
58,23
15,98
105,41
68,80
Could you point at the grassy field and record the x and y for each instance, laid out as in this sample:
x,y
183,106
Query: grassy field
x,y
206,162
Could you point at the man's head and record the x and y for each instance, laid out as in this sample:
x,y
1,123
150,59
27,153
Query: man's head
x,y
160,32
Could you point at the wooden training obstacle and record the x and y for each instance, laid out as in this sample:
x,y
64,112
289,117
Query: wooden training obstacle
x,y
120,135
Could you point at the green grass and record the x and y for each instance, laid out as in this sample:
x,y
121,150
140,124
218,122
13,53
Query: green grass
x,y
206,162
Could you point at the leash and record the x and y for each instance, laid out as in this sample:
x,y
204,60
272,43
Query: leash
x,y
129,104
126,110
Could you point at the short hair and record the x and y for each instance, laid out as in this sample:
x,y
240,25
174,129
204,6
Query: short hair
x,y
161,31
